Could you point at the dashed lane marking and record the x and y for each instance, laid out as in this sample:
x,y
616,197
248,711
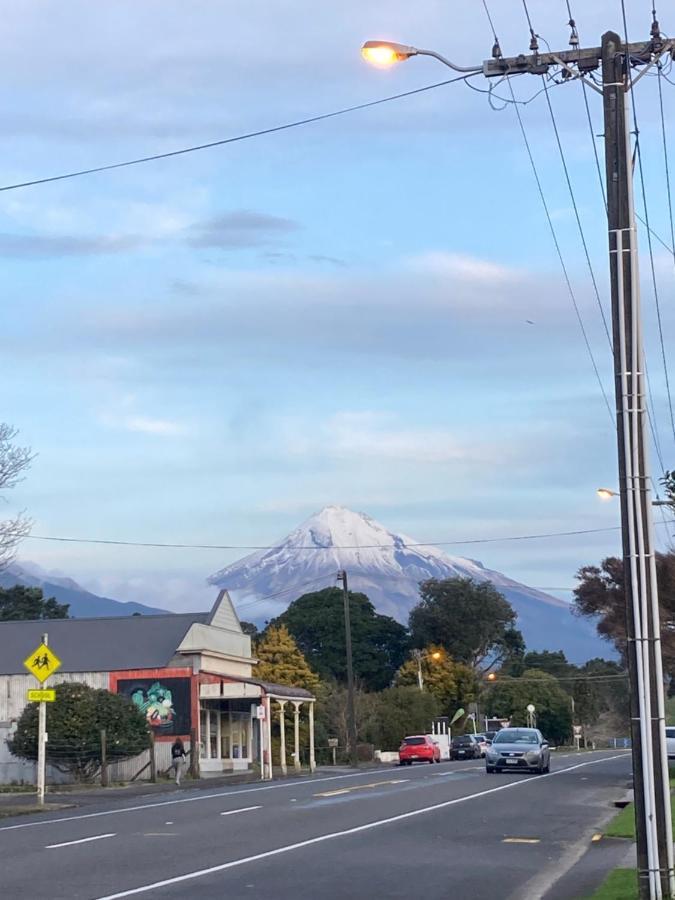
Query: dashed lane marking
x,y
521,840
233,812
361,787
96,837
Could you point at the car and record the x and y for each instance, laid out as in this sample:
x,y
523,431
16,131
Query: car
x,y
484,743
465,746
418,748
490,735
670,741
519,749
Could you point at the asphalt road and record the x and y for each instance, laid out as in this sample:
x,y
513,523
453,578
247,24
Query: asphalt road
x,y
412,832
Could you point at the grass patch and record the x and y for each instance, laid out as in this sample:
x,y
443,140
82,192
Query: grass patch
x,y
620,884
623,824
17,789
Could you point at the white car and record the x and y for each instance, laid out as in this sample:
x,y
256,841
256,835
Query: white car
x,y
670,741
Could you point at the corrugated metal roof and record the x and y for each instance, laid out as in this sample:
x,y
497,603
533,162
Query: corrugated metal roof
x,y
98,645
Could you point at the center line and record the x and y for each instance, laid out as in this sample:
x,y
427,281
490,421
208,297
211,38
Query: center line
x,y
231,812
96,837
358,829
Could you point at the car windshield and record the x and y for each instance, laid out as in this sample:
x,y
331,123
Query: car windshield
x,y
413,741
462,739
516,737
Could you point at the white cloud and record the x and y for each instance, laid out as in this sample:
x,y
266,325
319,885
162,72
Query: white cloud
x,y
372,435
123,415
463,267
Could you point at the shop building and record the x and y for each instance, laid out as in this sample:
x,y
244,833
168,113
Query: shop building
x,y
191,674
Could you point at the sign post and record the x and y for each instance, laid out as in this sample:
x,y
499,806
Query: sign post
x,y
42,663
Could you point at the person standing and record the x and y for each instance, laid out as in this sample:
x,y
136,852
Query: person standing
x,y
178,755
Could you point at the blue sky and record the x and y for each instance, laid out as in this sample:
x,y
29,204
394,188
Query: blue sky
x,y
210,348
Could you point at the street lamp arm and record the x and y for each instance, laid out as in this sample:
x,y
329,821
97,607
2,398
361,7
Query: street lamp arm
x,y
447,62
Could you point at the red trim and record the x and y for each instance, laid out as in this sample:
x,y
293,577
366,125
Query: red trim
x,y
164,673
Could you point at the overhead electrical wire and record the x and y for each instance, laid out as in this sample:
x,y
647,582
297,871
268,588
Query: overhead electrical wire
x,y
313,547
651,409
232,140
580,227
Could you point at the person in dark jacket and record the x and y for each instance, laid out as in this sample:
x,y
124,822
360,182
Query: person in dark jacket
x,y
178,755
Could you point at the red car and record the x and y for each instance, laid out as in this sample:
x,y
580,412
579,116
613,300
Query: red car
x,y
418,748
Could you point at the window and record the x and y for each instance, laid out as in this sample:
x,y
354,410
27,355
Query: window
x,y
414,741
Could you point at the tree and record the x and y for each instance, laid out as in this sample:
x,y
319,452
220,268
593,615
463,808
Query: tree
x,y
250,629
471,620
396,712
13,461
552,661
601,596
452,684
21,602
75,721
379,643
281,662
509,698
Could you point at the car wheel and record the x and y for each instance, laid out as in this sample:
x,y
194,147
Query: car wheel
x,y
431,761
490,770
547,768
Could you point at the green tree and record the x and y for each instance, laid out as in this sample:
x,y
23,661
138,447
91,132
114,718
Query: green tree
x,y
396,712
281,661
452,684
552,661
250,628
379,643
600,596
21,602
471,620
509,697
74,723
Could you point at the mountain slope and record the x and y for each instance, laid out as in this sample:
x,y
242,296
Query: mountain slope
x,y
83,603
388,568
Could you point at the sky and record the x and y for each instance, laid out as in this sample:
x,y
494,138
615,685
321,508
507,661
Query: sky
x,y
365,311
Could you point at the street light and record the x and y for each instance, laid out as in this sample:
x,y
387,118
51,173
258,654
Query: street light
x,y
386,53
417,656
607,494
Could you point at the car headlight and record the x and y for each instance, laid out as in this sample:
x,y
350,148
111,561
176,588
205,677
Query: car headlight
x,y
533,756
492,754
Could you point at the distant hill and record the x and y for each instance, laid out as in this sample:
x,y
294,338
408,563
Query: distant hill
x,y
388,568
83,604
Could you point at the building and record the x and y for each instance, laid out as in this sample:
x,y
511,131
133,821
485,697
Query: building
x,y
191,673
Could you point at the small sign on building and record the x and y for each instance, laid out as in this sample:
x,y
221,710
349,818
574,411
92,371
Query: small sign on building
x,y
260,712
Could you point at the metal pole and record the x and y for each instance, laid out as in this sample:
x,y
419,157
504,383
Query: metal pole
x,y
351,714
639,583
42,743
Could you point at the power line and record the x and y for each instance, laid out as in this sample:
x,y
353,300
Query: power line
x,y
638,155
312,547
576,214
556,243
231,140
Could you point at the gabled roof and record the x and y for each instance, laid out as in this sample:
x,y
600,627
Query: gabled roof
x,y
98,645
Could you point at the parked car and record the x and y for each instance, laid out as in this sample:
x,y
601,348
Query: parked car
x,y
483,742
465,746
418,748
670,742
519,749
490,735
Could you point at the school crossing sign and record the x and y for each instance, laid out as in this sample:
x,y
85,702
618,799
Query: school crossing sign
x,y
42,663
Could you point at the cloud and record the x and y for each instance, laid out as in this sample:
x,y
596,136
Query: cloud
x,y
126,419
462,267
368,435
40,246
241,228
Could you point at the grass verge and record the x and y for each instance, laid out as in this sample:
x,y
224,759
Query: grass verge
x,y
620,884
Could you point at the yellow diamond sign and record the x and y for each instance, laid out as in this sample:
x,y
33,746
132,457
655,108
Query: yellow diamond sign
x,y
42,663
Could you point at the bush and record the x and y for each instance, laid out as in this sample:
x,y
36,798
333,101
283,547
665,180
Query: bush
x,y
396,712
74,724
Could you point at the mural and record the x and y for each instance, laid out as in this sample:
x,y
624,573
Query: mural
x,y
165,702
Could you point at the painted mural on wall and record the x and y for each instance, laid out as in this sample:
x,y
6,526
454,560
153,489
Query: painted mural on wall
x,y
165,702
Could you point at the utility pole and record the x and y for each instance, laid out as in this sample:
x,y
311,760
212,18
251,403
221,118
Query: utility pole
x,y
351,715
42,743
618,62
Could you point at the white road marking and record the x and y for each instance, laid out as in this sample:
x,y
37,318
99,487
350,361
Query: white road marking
x,y
142,806
232,812
200,873
96,837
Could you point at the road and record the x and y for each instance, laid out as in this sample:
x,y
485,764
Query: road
x,y
421,831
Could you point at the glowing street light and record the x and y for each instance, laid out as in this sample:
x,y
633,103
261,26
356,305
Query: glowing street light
x,y
386,53
606,493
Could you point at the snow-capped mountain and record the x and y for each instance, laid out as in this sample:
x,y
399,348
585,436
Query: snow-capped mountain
x,y
388,568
